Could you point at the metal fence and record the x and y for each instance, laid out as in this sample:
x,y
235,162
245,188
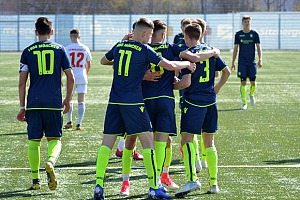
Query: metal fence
x,y
278,30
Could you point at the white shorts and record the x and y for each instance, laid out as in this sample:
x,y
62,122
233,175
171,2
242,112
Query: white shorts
x,y
80,88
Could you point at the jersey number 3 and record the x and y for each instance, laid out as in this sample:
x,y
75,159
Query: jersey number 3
x,y
206,70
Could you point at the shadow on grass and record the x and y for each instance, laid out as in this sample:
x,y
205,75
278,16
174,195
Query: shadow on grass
x,y
226,110
279,162
13,134
20,193
118,197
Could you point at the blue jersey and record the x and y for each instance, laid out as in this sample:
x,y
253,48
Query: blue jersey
x,y
178,38
164,85
201,91
246,42
44,62
131,61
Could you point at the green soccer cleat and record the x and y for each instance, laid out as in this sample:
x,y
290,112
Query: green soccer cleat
x,y
36,184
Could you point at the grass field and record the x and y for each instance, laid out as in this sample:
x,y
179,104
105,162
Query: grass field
x,y
258,148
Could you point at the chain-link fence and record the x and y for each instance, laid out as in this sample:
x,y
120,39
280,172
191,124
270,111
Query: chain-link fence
x,y
103,23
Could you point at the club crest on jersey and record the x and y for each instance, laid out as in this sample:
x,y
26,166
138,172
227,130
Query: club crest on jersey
x,y
251,35
185,110
142,108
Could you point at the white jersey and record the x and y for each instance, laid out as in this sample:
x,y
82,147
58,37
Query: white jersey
x,y
78,54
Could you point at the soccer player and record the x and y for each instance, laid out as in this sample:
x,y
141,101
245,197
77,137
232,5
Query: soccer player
x,y
126,112
121,144
245,41
199,113
159,101
179,38
43,61
80,57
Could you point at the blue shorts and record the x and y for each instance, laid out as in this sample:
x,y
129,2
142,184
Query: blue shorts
x,y
44,121
195,120
247,70
162,115
129,119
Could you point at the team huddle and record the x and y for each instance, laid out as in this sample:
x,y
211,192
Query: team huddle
x,y
141,102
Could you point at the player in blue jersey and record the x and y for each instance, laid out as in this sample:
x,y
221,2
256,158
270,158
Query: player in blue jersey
x,y
179,38
199,113
159,101
126,112
245,42
43,61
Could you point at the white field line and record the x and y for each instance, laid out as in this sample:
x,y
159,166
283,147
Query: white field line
x,y
173,167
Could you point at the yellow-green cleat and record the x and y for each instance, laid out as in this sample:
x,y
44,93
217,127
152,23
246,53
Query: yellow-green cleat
x,y
52,182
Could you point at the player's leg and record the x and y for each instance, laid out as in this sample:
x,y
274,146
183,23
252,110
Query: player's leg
x,y
209,128
82,90
165,179
242,74
191,122
203,153
120,147
53,133
160,144
127,163
35,133
252,77
197,157
113,125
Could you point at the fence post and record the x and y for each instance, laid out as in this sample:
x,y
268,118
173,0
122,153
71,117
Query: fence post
x,y
279,31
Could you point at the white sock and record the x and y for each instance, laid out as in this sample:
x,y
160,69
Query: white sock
x,y
69,114
121,144
125,177
81,110
165,170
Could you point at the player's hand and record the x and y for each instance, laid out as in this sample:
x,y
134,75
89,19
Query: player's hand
x,y
151,76
192,67
259,64
216,52
21,115
127,37
176,80
233,67
66,106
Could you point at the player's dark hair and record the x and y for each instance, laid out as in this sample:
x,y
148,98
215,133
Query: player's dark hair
x,y
186,21
144,23
245,17
133,25
201,23
193,31
43,25
74,33
159,25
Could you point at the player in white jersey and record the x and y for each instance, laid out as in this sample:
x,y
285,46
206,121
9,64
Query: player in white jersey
x,y
80,58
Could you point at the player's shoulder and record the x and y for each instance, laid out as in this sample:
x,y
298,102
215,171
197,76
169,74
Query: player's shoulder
x,y
254,31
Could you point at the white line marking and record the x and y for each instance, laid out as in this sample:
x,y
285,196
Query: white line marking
x,y
142,167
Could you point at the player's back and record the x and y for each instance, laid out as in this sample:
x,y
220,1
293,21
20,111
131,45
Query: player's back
x,y
78,54
45,60
201,90
178,38
131,61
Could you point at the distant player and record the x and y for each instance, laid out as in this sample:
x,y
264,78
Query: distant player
x,y
199,112
126,112
245,42
80,57
179,38
43,61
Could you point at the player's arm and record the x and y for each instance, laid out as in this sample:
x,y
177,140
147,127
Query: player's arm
x,y
259,53
22,93
151,76
234,54
177,65
70,85
223,79
197,57
105,61
185,82
88,66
